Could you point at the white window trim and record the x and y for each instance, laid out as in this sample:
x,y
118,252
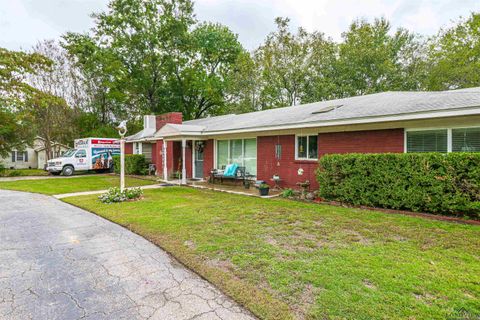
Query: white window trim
x,y
139,145
194,154
16,155
449,134
215,148
296,147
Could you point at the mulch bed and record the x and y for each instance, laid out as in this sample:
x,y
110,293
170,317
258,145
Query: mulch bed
x,y
404,212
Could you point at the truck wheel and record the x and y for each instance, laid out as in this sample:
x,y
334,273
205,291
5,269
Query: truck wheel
x,y
68,170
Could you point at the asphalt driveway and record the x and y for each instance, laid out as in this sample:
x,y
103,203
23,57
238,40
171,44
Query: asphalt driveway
x,y
61,262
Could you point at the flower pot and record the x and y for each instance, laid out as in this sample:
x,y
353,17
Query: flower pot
x,y
264,191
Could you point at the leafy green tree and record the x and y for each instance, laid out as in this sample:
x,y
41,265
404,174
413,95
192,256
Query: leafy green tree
x,y
371,60
130,50
293,66
199,82
243,91
15,126
51,119
454,56
151,57
103,75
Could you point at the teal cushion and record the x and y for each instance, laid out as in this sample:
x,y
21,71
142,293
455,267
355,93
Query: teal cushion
x,y
230,170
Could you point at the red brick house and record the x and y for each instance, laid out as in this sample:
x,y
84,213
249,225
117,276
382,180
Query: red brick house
x,y
289,141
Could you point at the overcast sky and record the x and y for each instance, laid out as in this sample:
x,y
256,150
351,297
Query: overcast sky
x,y
24,22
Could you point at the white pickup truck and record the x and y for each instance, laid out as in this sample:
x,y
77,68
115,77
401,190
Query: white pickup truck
x,y
88,154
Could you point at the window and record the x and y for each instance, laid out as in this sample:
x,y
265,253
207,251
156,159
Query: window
x,y
147,151
81,154
137,148
466,140
240,151
19,156
427,141
306,147
444,140
199,145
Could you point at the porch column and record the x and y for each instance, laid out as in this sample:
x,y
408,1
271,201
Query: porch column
x,y
164,159
184,170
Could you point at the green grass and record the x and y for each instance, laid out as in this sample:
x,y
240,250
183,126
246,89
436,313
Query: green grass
x,y
284,259
22,172
68,185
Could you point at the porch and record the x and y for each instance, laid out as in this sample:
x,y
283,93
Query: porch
x,y
226,186
189,155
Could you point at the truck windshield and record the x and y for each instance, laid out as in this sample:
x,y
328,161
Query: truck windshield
x,y
69,153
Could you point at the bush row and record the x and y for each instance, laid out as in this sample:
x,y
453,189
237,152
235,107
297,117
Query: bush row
x,y
422,182
134,164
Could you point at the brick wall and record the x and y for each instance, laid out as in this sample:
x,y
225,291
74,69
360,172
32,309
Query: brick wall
x,y
208,164
158,157
286,167
171,117
129,148
373,141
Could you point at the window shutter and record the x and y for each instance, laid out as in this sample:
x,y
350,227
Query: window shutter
x,y
466,140
13,156
25,157
427,141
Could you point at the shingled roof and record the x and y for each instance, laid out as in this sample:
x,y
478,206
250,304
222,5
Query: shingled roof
x,y
371,108
390,103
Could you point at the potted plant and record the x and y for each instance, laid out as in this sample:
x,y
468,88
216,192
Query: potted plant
x,y
263,189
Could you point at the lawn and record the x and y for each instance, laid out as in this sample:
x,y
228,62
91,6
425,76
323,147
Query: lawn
x,y
284,259
61,185
22,172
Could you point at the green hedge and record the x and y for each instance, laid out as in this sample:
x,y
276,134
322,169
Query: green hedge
x,y
422,182
134,164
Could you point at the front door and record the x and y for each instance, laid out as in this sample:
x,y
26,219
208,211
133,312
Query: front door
x,y
198,159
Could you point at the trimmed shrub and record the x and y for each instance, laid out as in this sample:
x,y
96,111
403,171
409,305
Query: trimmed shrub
x,y
14,173
422,182
134,164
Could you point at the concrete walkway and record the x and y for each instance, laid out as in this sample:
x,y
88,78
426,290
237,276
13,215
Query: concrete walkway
x,y
85,193
60,262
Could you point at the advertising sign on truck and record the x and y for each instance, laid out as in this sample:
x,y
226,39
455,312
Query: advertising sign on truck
x,y
88,154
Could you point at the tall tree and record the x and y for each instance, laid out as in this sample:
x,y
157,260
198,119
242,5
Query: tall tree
x,y
201,73
131,47
371,60
289,64
454,56
64,79
15,67
243,91
51,118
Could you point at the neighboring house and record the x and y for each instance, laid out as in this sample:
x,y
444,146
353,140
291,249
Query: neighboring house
x,y
32,157
289,141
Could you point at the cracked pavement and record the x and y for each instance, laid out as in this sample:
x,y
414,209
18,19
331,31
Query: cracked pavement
x,y
61,262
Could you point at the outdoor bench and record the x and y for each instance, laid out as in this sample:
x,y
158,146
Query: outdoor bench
x,y
239,175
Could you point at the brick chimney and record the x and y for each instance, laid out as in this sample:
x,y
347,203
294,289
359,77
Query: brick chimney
x,y
171,117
